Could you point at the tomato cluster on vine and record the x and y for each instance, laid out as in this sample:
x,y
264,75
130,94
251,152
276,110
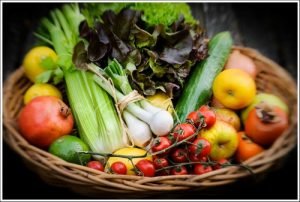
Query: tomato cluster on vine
x,y
183,151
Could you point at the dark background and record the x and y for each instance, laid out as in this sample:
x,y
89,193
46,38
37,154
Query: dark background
x,y
270,28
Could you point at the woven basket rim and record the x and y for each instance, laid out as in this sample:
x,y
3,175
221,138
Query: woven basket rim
x,y
75,175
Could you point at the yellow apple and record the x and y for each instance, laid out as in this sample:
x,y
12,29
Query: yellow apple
x,y
234,88
223,139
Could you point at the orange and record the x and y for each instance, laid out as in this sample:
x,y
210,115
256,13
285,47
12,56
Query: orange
x,y
247,148
234,88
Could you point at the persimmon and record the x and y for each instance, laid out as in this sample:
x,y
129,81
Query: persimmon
x,y
266,123
247,148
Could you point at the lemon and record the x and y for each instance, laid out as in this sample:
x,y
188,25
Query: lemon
x,y
128,151
161,100
32,61
66,147
42,89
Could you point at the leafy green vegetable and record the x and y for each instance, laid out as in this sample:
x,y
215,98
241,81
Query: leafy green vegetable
x,y
93,11
44,77
178,53
154,13
155,58
164,13
58,76
53,73
48,63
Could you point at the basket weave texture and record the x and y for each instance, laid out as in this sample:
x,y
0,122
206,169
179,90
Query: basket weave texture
x,y
270,78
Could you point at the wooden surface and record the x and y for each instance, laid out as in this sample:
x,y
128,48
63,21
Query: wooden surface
x,y
270,28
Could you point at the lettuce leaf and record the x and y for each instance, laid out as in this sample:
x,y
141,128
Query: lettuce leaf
x,y
156,56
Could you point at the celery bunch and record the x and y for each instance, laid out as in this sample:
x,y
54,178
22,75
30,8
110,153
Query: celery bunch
x,y
93,109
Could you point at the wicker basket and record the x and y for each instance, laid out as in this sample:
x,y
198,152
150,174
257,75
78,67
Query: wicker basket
x,y
55,171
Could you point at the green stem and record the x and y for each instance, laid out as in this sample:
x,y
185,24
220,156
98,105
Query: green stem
x,y
133,108
57,37
184,164
55,20
176,143
43,38
64,24
209,163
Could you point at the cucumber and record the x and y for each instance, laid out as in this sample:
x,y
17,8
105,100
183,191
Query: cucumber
x,y
198,88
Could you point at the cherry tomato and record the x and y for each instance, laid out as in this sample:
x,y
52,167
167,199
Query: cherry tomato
x,y
200,147
197,158
118,168
160,162
146,168
95,165
220,163
194,118
179,170
183,131
200,169
209,115
265,124
161,143
179,155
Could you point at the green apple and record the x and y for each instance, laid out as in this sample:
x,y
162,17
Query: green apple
x,y
270,99
223,139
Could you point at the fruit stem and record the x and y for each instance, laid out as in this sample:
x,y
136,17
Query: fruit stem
x,y
230,92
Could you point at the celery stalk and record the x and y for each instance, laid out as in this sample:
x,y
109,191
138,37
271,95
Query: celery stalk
x,y
94,112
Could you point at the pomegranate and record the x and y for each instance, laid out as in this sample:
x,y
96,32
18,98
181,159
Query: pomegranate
x,y
44,119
